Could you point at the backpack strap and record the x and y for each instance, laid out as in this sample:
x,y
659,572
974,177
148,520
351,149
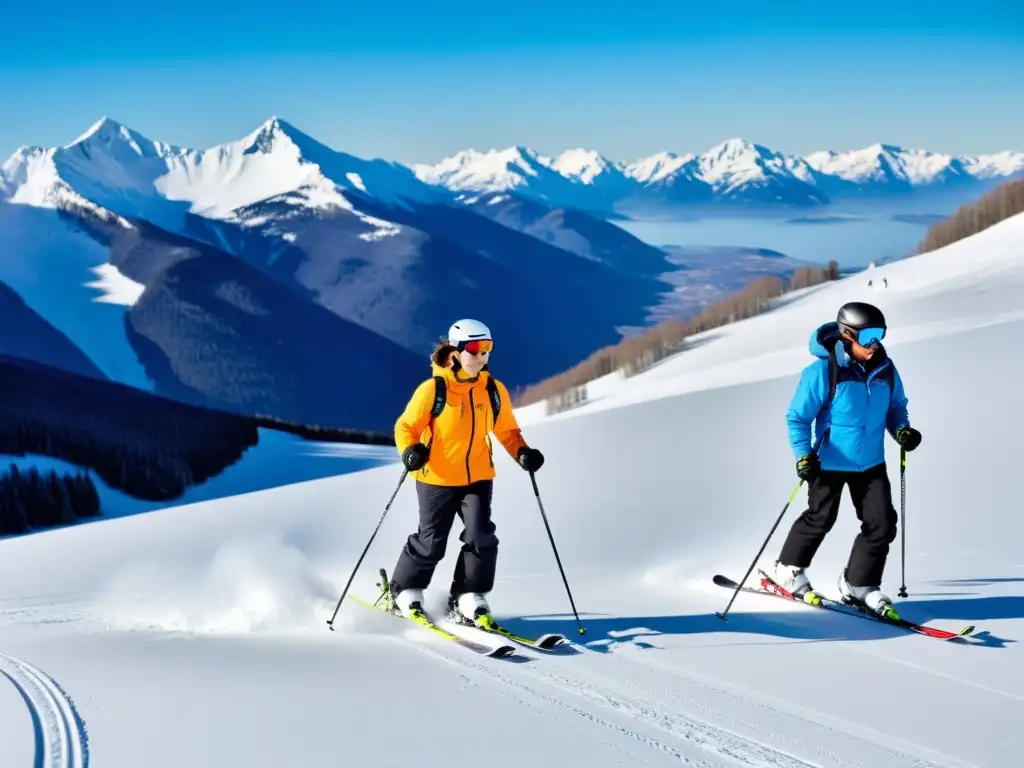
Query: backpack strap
x,y
440,400
492,391
833,378
440,397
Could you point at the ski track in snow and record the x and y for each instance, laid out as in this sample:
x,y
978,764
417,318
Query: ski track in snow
x,y
536,700
672,700
738,706
61,740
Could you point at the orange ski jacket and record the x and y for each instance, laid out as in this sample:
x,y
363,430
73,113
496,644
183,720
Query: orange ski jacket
x,y
460,452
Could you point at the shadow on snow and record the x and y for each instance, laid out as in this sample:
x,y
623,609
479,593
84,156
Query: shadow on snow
x,y
604,632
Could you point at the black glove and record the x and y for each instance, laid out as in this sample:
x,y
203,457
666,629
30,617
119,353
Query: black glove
x,y
908,437
808,467
415,456
530,459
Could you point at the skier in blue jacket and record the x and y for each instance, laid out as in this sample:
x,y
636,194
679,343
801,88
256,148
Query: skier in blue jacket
x,y
868,402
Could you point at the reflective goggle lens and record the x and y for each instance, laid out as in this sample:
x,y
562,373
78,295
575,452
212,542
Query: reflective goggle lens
x,y
868,336
478,347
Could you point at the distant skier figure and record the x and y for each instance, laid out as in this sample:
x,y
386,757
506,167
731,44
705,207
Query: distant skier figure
x,y
451,454
868,401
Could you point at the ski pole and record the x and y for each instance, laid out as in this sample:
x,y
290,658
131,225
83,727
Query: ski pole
x,y
778,520
544,517
330,621
903,521
792,496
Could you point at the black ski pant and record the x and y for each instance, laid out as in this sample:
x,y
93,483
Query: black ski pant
x,y
424,549
872,499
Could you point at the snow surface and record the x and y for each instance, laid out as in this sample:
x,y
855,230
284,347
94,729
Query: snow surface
x,y
196,635
64,275
116,288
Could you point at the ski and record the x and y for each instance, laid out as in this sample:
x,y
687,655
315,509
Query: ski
x,y
771,589
545,642
423,620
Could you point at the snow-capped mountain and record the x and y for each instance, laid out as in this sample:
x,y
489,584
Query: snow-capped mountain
x,y
732,172
744,172
659,167
117,168
577,178
585,166
365,240
995,166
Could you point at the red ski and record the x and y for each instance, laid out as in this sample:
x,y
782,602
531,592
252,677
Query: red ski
x,y
770,588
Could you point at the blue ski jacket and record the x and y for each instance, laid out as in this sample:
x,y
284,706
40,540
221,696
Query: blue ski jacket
x,y
867,404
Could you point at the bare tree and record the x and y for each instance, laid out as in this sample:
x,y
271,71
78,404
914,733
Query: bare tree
x,y
998,204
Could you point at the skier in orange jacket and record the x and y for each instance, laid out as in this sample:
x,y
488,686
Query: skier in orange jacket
x,y
452,458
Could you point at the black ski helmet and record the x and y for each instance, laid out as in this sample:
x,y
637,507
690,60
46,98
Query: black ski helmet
x,y
857,315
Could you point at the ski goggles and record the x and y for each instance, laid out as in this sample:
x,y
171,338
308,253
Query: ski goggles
x,y
477,346
867,337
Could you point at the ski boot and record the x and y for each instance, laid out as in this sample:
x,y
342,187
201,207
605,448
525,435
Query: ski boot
x,y
407,602
471,609
794,580
870,599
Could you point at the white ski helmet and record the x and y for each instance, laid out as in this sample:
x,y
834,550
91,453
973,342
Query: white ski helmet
x,y
467,330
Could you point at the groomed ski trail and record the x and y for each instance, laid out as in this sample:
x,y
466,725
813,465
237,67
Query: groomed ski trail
x,y
691,720
61,741
822,739
533,698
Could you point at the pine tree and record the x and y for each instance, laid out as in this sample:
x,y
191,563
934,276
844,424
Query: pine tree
x,y
63,513
90,504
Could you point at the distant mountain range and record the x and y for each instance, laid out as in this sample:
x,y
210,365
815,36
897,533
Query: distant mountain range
x,y
275,275
734,172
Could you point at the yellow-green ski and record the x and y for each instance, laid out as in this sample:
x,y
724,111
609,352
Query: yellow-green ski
x,y
423,620
544,642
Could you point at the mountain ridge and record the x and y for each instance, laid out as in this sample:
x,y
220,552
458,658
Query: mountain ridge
x,y
733,171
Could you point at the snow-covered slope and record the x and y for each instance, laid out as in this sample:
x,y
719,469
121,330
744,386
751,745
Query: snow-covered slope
x,y
65,276
980,280
735,171
200,630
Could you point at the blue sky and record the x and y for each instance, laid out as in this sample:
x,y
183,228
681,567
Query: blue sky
x,y
399,80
